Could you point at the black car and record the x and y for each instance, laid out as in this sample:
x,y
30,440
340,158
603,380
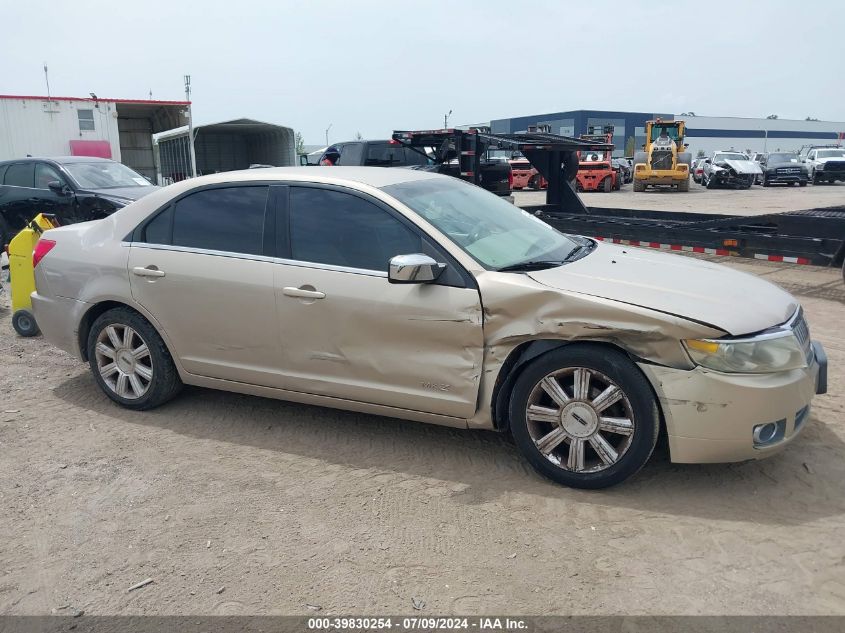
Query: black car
x,y
783,167
73,188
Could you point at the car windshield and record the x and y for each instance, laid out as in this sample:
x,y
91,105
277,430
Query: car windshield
x,y
491,230
782,158
105,175
729,156
830,153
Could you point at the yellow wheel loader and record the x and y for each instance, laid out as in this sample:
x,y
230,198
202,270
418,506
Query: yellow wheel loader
x,y
664,161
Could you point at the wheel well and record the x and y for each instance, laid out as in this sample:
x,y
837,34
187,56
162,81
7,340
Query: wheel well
x,y
88,319
519,359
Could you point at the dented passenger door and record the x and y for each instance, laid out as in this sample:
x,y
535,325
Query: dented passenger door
x,y
346,332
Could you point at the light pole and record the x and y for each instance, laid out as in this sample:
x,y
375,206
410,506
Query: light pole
x,y
446,119
190,127
327,133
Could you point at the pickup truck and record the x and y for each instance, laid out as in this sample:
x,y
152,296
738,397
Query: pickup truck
x,y
496,175
825,164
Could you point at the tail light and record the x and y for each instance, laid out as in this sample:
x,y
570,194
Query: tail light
x,y
510,179
42,247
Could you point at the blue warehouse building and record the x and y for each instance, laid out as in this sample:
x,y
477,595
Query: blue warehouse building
x,y
704,134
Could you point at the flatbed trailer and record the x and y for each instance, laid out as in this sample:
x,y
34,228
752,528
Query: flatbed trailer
x,y
812,236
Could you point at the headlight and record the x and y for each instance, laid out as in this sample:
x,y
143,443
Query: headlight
x,y
762,355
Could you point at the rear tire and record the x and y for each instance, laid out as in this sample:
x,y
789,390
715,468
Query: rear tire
x,y
562,424
130,361
24,323
803,183
683,185
639,185
607,184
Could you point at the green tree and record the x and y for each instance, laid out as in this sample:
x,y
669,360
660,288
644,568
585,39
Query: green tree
x,y
358,136
700,154
300,143
629,146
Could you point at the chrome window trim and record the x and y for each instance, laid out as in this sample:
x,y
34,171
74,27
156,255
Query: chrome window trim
x,y
257,258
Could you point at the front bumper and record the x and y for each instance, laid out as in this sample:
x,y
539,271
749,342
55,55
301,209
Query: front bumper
x,y
786,178
660,176
710,416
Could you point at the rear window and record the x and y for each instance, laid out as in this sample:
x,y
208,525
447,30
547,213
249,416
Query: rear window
x,y
391,155
525,165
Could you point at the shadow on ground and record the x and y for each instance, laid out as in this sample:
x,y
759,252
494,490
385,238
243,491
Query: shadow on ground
x,y
781,490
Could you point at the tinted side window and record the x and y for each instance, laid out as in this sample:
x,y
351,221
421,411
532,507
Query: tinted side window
x,y
351,154
226,219
158,230
391,155
331,227
19,175
45,174
2,172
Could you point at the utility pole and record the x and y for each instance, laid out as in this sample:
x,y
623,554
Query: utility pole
x,y
190,127
327,133
446,120
47,79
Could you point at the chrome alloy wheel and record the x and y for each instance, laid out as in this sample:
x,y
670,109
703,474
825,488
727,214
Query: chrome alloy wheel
x,y
580,420
124,361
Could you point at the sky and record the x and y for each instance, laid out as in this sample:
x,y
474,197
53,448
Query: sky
x,y
370,67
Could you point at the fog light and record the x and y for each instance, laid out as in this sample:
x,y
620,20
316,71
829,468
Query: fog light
x,y
769,433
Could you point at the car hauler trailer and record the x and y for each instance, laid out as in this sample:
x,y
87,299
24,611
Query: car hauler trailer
x,y
813,236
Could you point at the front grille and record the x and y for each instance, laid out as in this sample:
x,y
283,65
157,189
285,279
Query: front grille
x,y
802,333
783,171
661,159
832,165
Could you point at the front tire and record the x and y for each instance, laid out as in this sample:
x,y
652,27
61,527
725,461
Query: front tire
x,y
130,361
584,416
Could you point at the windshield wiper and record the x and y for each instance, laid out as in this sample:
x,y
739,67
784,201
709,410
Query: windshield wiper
x,y
579,251
537,264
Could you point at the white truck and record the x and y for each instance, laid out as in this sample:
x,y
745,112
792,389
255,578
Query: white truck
x,y
825,164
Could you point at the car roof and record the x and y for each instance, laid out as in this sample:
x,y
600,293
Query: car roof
x,y
371,176
61,160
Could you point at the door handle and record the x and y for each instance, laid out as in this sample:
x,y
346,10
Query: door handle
x,y
302,293
150,271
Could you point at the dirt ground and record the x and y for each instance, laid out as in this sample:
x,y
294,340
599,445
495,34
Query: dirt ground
x,y
755,201
234,504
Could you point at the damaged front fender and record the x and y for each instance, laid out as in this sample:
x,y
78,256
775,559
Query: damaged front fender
x,y
520,310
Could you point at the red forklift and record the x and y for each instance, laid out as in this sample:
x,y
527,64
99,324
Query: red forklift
x,y
595,169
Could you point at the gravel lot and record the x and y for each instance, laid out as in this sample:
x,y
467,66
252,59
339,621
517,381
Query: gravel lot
x,y
755,201
234,504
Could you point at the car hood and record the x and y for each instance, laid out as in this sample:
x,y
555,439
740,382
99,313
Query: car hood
x,y
125,193
831,159
700,291
742,166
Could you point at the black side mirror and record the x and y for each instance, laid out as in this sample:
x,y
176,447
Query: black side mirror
x,y
58,187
